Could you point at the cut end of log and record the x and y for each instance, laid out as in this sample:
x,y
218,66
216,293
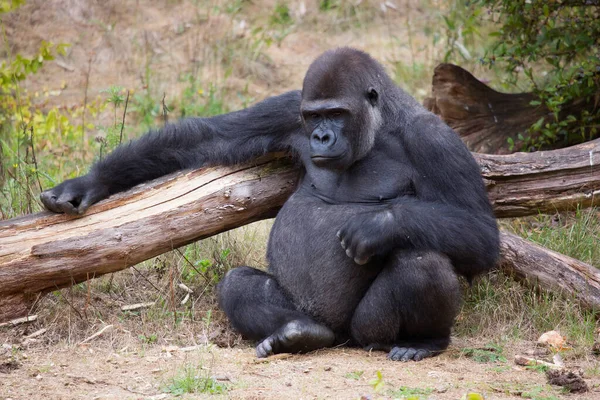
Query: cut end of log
x,y
483,117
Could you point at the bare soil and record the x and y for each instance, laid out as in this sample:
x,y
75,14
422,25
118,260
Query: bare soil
x,y
97,371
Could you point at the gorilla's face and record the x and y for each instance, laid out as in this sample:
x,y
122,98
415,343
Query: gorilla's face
x,y
326,124
340,109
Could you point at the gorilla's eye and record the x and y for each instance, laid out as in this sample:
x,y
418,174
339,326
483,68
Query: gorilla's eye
x,y
372,95
313,115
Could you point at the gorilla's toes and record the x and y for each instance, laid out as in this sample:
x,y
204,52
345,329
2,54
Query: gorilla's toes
x,y
296,337
408,353
264,348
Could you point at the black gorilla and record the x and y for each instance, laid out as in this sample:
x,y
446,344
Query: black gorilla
x,y
383,177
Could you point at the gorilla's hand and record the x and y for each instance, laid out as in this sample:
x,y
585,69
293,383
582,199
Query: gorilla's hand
x,y
74,196
367,234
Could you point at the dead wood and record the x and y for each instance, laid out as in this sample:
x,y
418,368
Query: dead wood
x,y
523,184
485,118
540,267
44,252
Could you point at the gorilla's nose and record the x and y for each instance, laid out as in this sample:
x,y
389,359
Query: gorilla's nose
x,y
322,139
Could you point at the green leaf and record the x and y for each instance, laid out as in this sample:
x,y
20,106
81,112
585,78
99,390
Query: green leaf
x,y
472,396
449,23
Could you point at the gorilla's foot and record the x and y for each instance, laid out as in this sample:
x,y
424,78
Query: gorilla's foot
x,y
408,353
298,336
418,350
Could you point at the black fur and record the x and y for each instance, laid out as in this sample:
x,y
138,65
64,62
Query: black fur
x,y
391,209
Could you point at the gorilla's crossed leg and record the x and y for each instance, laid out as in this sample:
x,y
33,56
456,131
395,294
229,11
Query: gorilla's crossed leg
x,y
259,309
385,318
410,307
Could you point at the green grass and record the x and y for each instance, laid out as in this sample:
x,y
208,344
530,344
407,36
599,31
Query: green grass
x,y
193,379
355,375
573,234
405,392
525,391
491,353
498,308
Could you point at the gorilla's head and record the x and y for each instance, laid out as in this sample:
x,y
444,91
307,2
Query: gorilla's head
x,y
341,106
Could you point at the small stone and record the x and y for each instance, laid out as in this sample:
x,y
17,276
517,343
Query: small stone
x,y
327,369
552,339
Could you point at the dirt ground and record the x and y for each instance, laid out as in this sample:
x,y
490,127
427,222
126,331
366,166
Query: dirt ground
x,y
118,43
96,371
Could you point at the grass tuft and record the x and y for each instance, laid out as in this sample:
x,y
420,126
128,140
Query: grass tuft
x,y
193,379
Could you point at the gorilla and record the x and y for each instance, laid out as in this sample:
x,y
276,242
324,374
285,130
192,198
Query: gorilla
x,y
390,211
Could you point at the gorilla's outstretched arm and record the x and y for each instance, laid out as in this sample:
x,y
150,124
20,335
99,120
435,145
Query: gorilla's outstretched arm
x,y
450,213
224,140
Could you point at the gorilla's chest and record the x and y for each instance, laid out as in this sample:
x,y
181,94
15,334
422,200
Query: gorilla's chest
x,y
304,252
309,263
372,181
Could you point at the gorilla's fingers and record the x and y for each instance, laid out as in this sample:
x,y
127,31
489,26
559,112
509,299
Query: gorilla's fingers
x,y
48,198
65,202
85,204
349,253
264,349
361,252
361,260
89,199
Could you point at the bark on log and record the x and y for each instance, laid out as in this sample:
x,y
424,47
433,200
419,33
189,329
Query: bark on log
x,y
44,252
552,271
522,184
485,118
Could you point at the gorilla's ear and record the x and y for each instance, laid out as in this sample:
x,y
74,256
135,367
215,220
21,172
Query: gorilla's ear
x,y
372,95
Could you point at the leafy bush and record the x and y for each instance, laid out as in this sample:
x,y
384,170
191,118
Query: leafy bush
x,y
556,46
26,130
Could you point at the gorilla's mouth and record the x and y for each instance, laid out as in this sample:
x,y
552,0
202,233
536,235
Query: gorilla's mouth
x,y
329,161
321,157
320,160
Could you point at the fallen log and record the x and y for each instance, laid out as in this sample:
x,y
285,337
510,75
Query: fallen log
x,y
540,267
522,184
485,118
45,251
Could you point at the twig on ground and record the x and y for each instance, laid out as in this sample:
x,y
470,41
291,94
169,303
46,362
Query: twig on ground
x,y
19,321
531,362
97,334
133,307
37,333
